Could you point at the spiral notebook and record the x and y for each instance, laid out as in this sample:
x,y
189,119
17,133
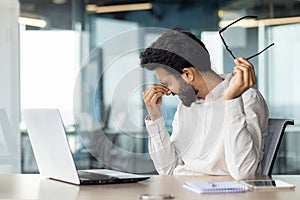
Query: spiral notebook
x,y
215,187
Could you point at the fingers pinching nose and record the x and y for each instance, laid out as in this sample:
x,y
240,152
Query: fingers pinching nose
x,y
168,92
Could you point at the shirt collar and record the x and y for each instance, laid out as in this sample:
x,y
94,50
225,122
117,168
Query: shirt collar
x,y
218,91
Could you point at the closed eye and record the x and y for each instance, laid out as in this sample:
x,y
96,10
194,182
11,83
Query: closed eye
x,y
164,84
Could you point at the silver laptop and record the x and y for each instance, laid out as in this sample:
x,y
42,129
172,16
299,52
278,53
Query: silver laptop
x,y
54,157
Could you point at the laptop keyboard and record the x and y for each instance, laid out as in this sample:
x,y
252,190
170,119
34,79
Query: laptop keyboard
x,y
94,176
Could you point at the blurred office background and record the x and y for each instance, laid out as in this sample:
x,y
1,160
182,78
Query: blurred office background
x,y
82,57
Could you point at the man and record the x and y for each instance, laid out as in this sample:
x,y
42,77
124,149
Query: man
x,y
219,126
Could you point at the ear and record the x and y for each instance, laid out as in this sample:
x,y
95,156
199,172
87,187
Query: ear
x,y
188,74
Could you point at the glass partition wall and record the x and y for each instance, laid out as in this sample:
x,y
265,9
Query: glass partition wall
x,y
278,75
53,41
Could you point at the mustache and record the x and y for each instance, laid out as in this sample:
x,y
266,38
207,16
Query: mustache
x,y
195,91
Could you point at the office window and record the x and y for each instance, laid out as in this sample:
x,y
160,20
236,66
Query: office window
x,y
9,88
279,81
49,63
214,45
116,136
49,67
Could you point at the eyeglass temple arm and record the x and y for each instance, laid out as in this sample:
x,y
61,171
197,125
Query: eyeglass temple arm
x,y
223,29
226,46
260,52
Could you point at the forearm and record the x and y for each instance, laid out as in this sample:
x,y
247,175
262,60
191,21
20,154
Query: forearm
x,y
242,153
244,131
161,150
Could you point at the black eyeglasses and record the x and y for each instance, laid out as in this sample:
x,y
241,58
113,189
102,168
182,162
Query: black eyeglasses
x,y
226,46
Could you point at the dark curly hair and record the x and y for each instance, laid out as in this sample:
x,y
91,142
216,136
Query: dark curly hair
x,y
175,50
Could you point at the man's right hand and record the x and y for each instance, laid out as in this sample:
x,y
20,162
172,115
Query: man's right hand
x,y
153,99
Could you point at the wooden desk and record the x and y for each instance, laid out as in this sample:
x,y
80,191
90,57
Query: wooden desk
x,y
28,186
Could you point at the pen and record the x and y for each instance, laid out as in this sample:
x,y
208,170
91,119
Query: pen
x,y
156,196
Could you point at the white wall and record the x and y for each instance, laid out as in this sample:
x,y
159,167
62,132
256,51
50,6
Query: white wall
x,y
9,84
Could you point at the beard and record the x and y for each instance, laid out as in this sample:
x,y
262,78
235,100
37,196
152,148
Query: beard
x,y
187,93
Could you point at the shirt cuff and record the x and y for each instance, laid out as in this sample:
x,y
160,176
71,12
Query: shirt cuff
x,y
234,108
156,125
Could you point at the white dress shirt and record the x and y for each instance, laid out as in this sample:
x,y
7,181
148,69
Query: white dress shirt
x,y
212,137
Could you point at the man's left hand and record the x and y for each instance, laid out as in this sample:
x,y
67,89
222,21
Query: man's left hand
x,y
243,79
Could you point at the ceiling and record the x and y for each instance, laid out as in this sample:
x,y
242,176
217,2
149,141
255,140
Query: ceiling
x,y
264,8
60,14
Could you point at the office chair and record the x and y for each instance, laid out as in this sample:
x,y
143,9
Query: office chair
x,y
272,143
